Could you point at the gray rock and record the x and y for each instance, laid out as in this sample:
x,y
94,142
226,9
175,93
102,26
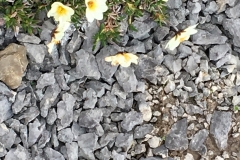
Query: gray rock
x,y
98,87
116,117
124,141
177,138
192,109
65,135
86,154
103,154
117,156
118,91
160,151
132,119
88,43
142,30
24,135
75,42
19,102
170,86
46,79
54,138
126,79
196,144
232,26
50,96
220,126
5,109
173,64
3,151
36,52
236,100
59,76
25,38
108,100
3,129
233,12
136,46
52,116
139,148
19,153
44,139
160,33
106,69
33,75
218,51
90,98
35,130
154,158
65,110
90,118
6,91
72,150
8,139
212,7
107,138
204,38
88,141
141,131
126,104
174,4
86,65
146,110
53,154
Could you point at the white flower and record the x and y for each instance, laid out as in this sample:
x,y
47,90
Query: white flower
x,y
124,59
60,12
58,34
180,37
95,9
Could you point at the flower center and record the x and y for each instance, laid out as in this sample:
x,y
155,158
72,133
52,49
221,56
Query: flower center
x,y
183,39
61,10
91,5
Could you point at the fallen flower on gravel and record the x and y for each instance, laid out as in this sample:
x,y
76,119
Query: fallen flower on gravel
x,y
60,12
180,37
124,59
95,9
57,35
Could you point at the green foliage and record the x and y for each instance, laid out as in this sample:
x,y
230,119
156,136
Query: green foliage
x,y
235,108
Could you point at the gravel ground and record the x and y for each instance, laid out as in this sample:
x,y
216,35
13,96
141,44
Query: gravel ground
x,y
173,105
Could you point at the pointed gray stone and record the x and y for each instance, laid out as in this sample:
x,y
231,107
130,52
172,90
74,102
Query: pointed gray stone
x,y
196,144
132,119
53,154
90,118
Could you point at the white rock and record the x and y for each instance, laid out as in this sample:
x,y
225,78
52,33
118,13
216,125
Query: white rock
x,y
154,142
146,111
188,157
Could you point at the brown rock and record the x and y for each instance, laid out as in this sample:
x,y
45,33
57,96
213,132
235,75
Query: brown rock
x,y
13,62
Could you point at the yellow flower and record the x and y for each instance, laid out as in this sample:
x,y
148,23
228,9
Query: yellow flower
x,y
95,9
180,37
57,35
124,59
60,12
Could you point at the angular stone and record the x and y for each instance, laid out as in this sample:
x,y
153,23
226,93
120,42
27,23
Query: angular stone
x,y
46,79
177,138
53,154
193,109
212,7
196,144
233,12
161,151
25,38
106,69
86,65
65,135
108,100
98,87
104,154
44,139
72,150
75,42
136,46
36,52
118,91
218,51
124,141
5,109
142,30
232,26
126,79
146,110
65,110
132,119
203,37
8,139
141,131
6,91
160,33
90,98
174,4
107,138
220,126
19,102
48,99
170,86
90,118
59,76
35,130
13,62
19,153
88,140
